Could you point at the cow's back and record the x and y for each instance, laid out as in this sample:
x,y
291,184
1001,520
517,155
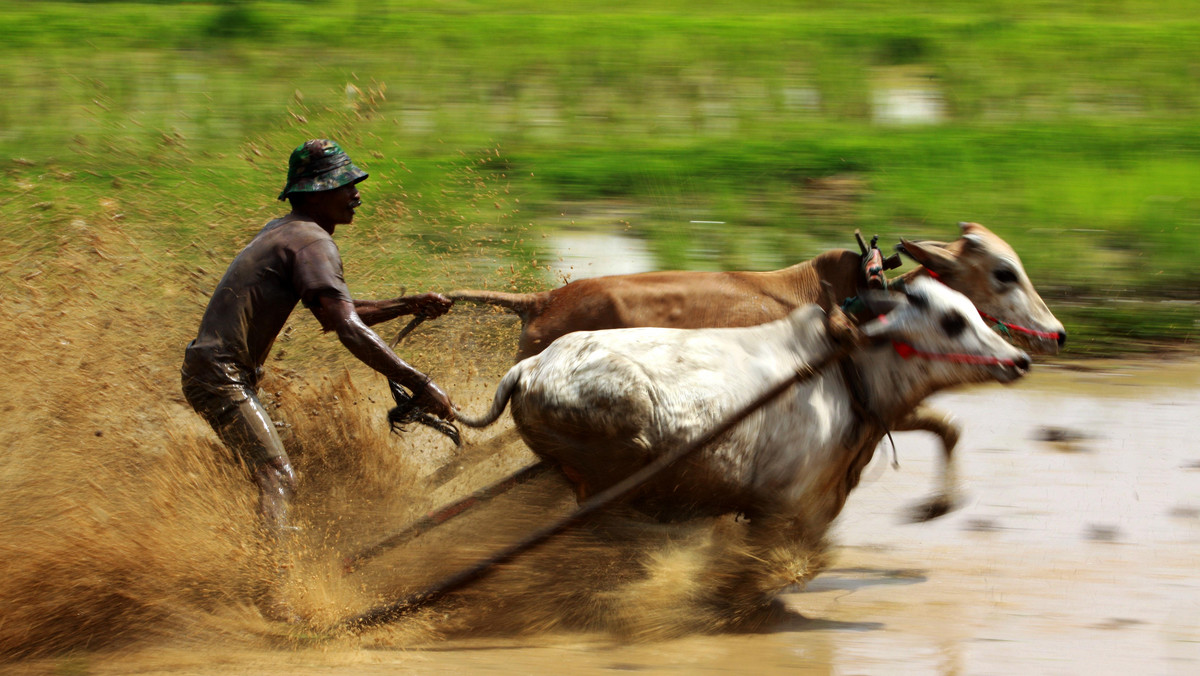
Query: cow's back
x,y
603,404
688,299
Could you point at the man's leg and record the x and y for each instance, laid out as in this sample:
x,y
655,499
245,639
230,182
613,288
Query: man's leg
x,y
247,430
253,432
252,435
276,483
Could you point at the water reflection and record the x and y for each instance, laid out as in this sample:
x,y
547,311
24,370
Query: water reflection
x,y
908,105
578,254
906,96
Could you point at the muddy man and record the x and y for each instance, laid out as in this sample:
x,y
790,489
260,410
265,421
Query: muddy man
x,y
292,259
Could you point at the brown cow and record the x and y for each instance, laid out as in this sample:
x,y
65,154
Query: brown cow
x,y
979,264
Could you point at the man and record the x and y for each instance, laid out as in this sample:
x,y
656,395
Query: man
x,y
292,259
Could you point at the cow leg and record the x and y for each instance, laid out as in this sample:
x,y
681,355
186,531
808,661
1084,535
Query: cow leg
x,y
945,498
775,553
582,493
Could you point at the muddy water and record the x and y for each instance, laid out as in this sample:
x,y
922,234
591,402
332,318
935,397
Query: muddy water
x,y
1074,552
583,254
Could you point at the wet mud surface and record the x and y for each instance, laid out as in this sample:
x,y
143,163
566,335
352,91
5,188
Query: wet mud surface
x,y
1074,550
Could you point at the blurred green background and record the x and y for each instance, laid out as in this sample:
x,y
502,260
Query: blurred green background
x,y
718,135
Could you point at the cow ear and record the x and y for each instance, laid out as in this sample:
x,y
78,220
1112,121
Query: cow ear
x,y
975,235
973,241
968,228
882,306
933,255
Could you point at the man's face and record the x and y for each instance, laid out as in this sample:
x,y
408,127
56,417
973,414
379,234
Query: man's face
x,y
333,207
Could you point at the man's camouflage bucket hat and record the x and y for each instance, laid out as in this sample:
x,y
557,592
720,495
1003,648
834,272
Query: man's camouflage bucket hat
x,y
320,164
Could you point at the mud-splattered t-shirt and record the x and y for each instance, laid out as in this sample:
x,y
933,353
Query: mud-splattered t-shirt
x,y
288,261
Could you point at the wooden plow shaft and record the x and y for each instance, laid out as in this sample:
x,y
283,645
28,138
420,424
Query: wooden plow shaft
x,y
447,512
398,609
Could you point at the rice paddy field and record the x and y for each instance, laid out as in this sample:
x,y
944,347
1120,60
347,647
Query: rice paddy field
x,y
510,145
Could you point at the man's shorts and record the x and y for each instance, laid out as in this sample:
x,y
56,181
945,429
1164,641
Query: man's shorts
x,y
239,420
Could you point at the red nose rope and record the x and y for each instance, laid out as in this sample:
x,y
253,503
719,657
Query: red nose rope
x,y
1020,329
907,351
1049,335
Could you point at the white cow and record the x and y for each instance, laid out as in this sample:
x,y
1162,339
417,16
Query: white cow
x,y
601,404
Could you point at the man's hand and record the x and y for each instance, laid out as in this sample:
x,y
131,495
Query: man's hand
x,y
429,304
338,315
435,401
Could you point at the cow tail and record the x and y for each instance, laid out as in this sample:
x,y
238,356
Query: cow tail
x,y
525,305
503,393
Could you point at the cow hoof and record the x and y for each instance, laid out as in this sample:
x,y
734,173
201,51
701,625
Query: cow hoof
x,y
932,508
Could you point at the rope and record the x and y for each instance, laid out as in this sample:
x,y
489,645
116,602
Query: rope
x,y
1050,335
406,411
441,515
907,351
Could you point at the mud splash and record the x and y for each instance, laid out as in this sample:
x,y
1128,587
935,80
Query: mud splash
x,y
128,540
127,524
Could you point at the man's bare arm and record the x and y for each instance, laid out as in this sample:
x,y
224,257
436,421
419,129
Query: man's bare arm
x,y
372,312
339,316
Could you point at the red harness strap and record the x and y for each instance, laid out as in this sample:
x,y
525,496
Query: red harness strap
x,y
1021,329
1049,335
907,351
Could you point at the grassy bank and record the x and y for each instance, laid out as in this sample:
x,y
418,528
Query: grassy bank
x,y
1069,128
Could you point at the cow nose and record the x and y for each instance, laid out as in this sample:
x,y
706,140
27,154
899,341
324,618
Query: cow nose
x,y
1062,338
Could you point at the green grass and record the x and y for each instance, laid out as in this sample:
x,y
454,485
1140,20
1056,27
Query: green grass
x,y
1069,128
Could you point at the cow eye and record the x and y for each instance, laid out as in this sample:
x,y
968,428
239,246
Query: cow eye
x,y
1005,276
953,324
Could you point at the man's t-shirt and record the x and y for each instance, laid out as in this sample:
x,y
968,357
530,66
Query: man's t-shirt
x,y
288,261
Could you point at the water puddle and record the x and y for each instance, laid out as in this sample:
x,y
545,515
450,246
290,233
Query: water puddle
x,y
907,97
580,254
